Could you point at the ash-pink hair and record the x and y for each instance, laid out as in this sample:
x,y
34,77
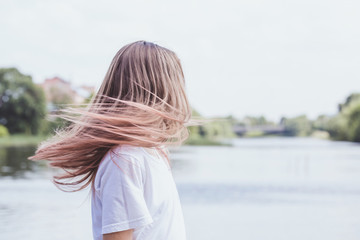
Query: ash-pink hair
x,y
141,102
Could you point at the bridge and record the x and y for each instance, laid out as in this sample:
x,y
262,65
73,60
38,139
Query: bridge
x,y
266,129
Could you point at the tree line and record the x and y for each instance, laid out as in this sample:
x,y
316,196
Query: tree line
x,y
342,126
23,111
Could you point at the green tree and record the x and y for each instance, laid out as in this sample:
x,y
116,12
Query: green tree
x,y
354,123
321,123
346,124
354,97
3,131
297,126
337,127
212,131
22,103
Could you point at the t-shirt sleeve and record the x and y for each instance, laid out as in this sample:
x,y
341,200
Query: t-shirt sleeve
x,y
121,194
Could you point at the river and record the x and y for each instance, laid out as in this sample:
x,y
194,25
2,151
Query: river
x,y
259,188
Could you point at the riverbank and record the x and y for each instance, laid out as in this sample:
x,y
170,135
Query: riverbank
x,y
18,140
299,188
205,142
29,140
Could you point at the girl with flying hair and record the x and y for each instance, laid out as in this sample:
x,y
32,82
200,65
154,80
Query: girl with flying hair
x,y
118,145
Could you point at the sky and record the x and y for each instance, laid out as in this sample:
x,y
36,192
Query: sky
x,y
247,57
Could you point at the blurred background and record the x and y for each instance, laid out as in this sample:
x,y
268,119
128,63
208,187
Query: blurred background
x,y
282,160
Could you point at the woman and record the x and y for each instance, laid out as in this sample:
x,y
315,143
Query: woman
x,y
118,145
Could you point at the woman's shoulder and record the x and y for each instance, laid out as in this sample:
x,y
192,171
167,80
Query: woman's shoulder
x,y
119,160
128,149
135,151
122,153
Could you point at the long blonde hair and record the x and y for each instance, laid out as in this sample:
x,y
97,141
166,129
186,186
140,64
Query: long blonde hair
x,y
141,102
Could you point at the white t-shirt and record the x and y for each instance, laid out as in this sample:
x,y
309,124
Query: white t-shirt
x,y
136,190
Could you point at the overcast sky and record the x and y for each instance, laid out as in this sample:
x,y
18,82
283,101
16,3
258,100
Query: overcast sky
x,y
273,58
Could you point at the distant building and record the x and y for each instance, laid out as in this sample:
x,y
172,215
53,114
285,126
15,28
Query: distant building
x,y
58,92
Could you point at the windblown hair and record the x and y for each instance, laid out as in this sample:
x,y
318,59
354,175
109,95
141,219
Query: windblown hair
x,y
141,102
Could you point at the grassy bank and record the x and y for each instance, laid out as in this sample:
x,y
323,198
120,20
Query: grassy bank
x,y
21,140
205,142
26,140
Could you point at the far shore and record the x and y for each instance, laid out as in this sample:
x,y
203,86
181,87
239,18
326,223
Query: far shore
x,y
19,140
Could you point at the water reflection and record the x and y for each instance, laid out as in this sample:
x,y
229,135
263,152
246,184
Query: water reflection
x,y
271,188
14,163
240,193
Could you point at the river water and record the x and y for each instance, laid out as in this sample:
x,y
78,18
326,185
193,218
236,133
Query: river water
x,y
260,188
